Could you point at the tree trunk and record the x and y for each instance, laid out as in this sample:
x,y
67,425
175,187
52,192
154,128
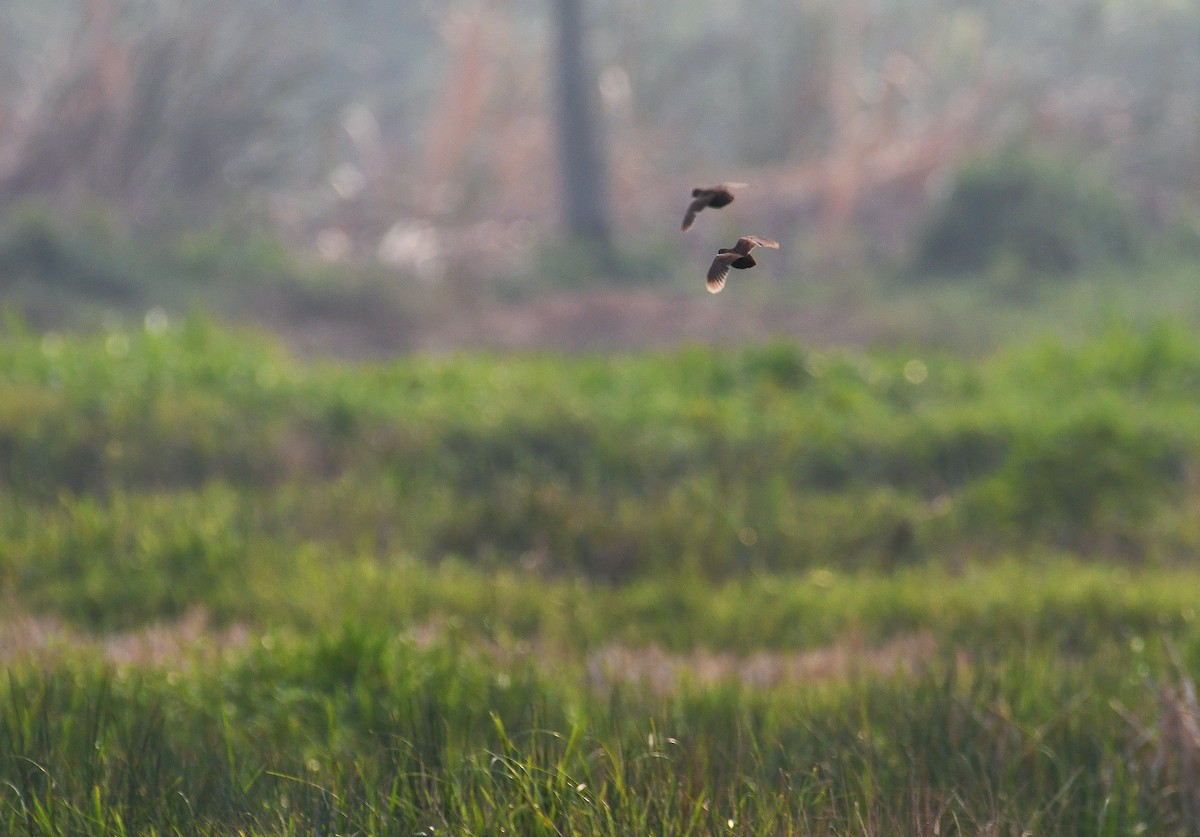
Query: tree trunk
x,y
584,175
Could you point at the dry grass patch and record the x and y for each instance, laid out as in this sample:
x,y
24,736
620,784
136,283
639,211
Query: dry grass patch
x,y
190,639
663,672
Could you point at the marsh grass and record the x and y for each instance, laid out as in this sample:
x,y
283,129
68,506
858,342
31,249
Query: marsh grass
x,y
766,591
774,459
361,733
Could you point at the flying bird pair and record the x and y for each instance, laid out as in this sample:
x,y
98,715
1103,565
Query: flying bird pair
x,y
738,256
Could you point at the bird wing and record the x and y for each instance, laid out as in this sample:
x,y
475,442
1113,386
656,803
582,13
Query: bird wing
x,y
748,242
694,207
719,270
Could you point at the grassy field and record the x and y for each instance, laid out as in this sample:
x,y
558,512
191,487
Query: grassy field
x,y
766,591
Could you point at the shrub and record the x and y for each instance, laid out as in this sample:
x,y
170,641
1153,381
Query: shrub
x,y
87,258
1044,214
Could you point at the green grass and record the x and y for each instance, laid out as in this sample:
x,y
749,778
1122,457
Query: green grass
x,y
357,733
774,459
799,591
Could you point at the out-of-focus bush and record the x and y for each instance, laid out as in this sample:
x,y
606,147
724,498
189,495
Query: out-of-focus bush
x,y
1041,214
86,258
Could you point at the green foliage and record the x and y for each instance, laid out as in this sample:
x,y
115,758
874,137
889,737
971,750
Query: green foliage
x,y
1091,466
719,464
131,559
1039,214
798,591
357,732
148,473
88,258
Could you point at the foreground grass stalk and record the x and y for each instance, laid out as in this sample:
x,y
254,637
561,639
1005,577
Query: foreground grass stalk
x,y
1023,743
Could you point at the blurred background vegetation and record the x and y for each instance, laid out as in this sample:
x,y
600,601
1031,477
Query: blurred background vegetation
x,y
400,155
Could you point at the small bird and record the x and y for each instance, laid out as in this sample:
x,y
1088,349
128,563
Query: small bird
x,y
705,196
737,256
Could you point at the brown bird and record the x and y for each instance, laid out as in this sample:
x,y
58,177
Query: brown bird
x,y
705,196
737,256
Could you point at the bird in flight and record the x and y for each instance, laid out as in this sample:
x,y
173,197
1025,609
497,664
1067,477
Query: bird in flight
x,y
706,196
738,256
